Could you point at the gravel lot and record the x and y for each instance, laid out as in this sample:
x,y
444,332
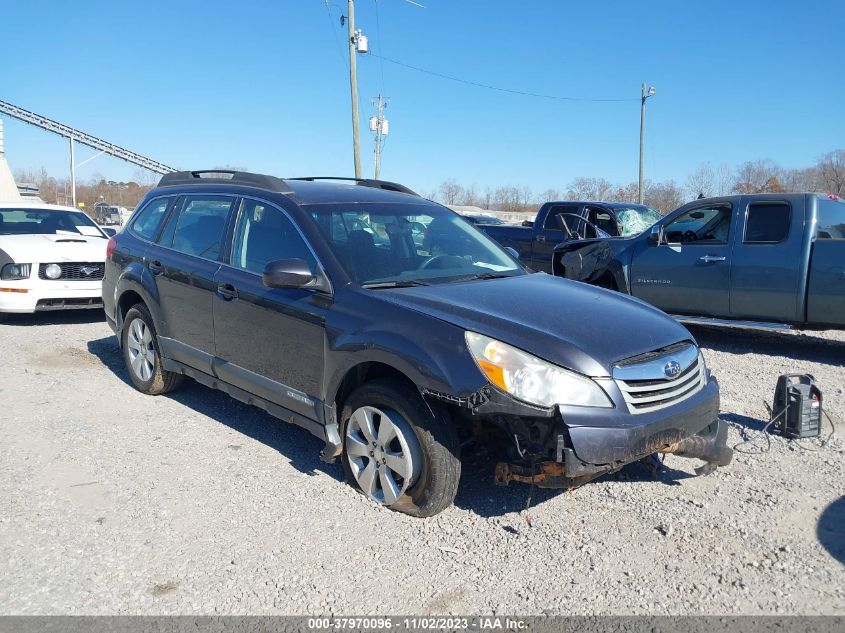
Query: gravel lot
x,y
115,502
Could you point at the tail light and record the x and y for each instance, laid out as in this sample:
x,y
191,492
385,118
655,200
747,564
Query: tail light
x,y
111,246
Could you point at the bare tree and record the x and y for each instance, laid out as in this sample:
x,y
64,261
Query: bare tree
x,y
626,193
550,195
723,177
663,196
759,176
701,182
469,197
589,189
832,170
450,192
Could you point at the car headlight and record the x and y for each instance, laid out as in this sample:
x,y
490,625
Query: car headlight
x,y
52,271
15,271
532,379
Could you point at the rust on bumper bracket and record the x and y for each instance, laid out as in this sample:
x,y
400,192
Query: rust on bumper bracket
x,y
546,475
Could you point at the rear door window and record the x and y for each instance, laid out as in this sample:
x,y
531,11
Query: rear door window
x,y
831,223
199,226
150,218
767,222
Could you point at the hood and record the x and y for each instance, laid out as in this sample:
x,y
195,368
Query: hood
x,y
61,247
570,324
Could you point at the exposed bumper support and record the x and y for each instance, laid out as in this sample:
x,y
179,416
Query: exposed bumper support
x,y
709,444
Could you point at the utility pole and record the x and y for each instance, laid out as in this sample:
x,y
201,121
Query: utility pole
x,y
381,127
353,83
645,95
72,176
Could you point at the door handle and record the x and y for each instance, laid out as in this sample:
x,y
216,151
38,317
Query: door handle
x,y
155,267
227,292
709,259
540,238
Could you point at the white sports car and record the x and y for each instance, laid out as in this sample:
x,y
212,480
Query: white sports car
x,y
51,258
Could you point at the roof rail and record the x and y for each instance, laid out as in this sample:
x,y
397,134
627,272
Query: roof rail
x,y
365,182
225,176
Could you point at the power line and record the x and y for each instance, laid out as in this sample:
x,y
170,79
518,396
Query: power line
x,y
334,35
378,32
496,88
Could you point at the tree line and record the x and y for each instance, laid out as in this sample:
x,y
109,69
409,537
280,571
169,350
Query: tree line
x,y
89,192
758,176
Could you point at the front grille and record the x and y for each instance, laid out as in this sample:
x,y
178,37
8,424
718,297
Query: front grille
x,y
646,387
73,271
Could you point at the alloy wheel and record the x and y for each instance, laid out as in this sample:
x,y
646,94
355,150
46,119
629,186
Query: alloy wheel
x,y
383,453
142,354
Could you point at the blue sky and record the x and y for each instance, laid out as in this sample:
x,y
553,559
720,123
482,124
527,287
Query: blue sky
x,y
264,85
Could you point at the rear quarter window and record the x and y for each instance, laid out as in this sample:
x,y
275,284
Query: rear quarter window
x,y
149,218
767,222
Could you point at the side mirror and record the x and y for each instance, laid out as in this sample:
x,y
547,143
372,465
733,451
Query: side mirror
x,y
512,252
656,235
288,273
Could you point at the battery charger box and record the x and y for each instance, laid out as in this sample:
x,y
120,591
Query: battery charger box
x,y
798,407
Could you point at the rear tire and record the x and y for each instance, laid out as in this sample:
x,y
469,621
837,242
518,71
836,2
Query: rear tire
x,y
142,355
429,446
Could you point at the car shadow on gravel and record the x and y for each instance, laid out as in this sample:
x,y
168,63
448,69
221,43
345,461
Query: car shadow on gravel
x,y
831,529
799,347
59,317
479,493
297,445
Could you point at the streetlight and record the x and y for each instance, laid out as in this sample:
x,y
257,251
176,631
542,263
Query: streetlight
x,y
646,93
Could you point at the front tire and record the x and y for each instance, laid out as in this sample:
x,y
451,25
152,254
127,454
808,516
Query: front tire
x,y
142,355
398,452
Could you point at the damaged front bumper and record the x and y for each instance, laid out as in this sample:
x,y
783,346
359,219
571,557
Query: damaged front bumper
x,y
567,446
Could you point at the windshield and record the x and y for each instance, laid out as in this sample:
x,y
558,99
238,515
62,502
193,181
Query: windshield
x,y
46,222
405,244
634,221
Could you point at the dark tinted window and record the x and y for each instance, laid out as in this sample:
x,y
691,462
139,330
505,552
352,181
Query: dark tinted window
x,y
602,219
831,225
150,217
199,228
767,222
571,217
264,234
704,225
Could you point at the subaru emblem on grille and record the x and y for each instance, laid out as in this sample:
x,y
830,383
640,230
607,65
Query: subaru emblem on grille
x,y
672,368
89,270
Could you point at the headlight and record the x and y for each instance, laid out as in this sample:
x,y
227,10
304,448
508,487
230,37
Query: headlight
x,y
53,271
15,271
531,379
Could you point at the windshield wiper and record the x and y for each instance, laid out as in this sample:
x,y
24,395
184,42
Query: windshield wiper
x,y
484,276
401,283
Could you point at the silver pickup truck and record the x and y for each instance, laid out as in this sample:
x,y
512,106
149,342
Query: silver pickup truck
x,y
763,260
